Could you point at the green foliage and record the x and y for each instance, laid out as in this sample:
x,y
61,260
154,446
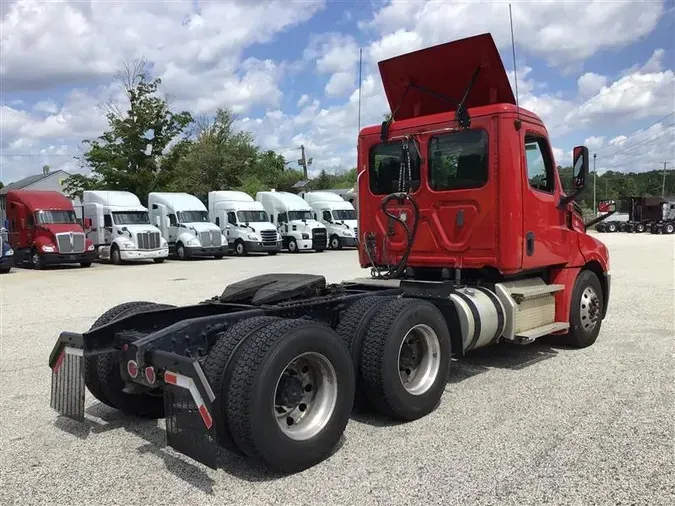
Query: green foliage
x,y
133,154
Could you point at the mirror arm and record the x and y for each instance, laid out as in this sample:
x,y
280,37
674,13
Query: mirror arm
x,y
599,219
569,198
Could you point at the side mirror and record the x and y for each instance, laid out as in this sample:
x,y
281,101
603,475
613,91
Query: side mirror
x,y
606,206
580,163
87,223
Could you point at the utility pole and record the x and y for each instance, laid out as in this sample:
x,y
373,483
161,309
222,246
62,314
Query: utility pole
x,y
663,185
304,162
595,182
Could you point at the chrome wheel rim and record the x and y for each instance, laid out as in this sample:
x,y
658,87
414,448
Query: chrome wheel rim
x,y
36,259
419,359
240,248
181,253
292,246
335,243
589,309
305,396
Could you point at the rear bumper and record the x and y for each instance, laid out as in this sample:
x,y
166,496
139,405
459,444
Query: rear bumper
x,y
144,254
198,251
68,258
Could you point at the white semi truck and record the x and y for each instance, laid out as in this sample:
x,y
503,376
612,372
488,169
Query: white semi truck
x,y
245,223
120,228
184,222
338,216
294,220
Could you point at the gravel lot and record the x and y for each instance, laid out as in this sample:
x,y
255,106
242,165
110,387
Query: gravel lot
x,y
539,424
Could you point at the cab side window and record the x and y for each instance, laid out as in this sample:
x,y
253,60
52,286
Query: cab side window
x,y
326,216
172,220
283,217
539,164
107,221
231,218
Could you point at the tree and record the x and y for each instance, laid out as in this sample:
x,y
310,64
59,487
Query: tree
x,y
135,154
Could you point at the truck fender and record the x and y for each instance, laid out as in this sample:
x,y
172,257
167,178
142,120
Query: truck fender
x,y
567,276
184,237
42,240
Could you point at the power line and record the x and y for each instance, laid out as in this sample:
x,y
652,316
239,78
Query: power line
x,y
642,142
642,130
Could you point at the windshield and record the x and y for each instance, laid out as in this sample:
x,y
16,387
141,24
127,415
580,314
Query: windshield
x,y
131,218
344,214
252,216
193,216
385,166
55,217
299,215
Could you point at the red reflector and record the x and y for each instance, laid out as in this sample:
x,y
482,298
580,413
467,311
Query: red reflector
x,y
59,361
150,376
170,377
132,368
206,416
125,347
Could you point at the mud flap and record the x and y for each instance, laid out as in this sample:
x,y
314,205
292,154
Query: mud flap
x,y
189,425
67,396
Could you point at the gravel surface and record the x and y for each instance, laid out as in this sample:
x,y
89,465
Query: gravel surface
x,y
540,424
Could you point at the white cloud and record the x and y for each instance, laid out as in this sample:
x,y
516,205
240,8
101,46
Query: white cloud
x,y
590,84
340,84
303,100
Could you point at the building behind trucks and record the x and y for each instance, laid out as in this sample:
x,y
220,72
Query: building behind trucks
x,y
43,230
294,220
244,222
337,215
120,227
184,223
485,247
643,214
6,252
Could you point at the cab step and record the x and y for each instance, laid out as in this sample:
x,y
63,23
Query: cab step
x,y
524,293
528,336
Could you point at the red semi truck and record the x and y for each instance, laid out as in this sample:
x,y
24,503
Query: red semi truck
x,y
43,230
470,239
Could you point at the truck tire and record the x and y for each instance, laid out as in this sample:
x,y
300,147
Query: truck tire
x,y
640,228
180,252
115,257
102,374
668,228
85,264
158,260
218,371
405,358
611,227
36,260
272,253
351,328
586,310
240,248
292,245
335,242
304,370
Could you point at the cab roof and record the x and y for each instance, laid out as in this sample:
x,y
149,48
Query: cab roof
x,y
40,199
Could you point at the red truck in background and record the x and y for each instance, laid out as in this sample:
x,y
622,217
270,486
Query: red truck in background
x,y
43,230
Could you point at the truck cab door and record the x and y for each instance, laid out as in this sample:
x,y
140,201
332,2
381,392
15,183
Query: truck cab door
x,y
547,238
107,229
172,228
231,226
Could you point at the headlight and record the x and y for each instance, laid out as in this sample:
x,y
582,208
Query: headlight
x,y
128,245
279,238
223,239
9,252
253,237
48,249
193,242
90,247
305,236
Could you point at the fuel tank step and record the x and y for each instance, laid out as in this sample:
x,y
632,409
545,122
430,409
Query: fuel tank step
x,y
524,293
527,336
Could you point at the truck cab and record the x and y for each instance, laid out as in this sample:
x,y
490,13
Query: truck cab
x,y
337,215
462,183
120,227
6,252
294,220
245,223
43,230
184,223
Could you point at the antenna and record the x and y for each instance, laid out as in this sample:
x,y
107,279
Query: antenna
x,y
360,61
515,71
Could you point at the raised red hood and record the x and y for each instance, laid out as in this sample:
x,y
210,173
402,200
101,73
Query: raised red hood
x,y
58,228
445,69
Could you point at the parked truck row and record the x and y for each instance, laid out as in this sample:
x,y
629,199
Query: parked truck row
x,y
42,227
642,214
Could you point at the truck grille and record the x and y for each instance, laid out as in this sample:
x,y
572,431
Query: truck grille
x,y
70,243
148,240
269,237
319,239
209,238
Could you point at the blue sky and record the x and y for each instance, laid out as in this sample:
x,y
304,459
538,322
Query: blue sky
x,y
597,72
